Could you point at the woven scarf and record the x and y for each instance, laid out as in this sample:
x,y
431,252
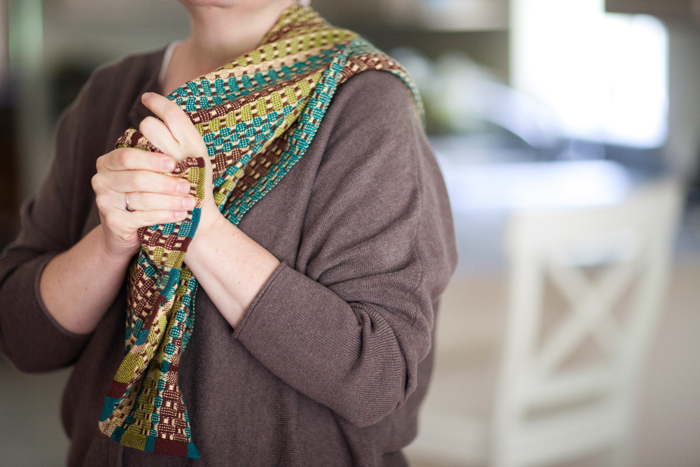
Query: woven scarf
x,y
257,116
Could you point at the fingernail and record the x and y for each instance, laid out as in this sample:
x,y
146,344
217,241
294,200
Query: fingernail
x,y
183,188
189,202
146,96
168,165
180,214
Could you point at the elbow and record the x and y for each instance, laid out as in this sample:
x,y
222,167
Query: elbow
x,y
35,365
369,404
25,367
366,420
38,355
21,365
383,379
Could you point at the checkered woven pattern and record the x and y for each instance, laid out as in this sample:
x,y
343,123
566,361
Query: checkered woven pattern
x,y
257,116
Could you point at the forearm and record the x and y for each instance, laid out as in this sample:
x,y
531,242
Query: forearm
x,y
78,286
230,266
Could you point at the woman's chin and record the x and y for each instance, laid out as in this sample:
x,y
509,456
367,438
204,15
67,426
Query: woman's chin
x,y
247,4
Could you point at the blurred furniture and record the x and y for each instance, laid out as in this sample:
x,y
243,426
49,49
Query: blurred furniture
x,y
585,286
449,15
567,384
683,10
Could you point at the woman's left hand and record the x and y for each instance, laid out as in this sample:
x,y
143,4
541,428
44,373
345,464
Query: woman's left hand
x,y
176,136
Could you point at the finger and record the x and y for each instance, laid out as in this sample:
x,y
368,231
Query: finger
x,y
159,134
140,201
136,159
177,122
129,181
125,220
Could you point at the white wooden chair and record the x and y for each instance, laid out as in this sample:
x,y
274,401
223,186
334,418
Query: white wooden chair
x,y
555,400
610,265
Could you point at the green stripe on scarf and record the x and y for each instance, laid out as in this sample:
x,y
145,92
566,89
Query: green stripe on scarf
x,y
257,116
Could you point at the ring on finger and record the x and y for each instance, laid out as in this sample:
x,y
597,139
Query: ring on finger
x,y
128,208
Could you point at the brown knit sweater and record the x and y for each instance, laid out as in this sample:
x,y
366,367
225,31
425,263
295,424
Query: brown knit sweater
x,y
333,358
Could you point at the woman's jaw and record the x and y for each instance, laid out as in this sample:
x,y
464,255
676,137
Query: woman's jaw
x,y
221,30
239,5
225,29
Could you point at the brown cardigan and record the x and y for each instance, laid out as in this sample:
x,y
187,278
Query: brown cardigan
x,y
333,358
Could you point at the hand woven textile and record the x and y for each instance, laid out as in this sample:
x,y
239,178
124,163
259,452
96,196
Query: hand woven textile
x,y
257,115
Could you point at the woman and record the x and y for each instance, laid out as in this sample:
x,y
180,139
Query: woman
x,y
314,295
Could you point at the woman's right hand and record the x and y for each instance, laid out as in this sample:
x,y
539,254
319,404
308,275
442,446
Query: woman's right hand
x,y
154,197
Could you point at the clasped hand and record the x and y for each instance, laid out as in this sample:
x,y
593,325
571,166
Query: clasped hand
x,y
155,197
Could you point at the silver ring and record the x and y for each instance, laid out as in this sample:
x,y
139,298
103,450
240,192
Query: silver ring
x,y
128,208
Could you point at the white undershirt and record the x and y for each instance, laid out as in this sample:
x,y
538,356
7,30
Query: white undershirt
x,y
166,61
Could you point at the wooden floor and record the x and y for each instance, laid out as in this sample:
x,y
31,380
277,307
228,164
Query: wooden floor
x,y
469,329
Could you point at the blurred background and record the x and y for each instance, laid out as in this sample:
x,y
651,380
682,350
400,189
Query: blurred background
x,y
533,106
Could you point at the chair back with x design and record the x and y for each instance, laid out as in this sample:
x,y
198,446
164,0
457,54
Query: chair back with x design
x,y
571,363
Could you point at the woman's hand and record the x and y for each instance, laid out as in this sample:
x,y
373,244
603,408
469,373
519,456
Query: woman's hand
x,y
154,197
176,136
78,285
228,264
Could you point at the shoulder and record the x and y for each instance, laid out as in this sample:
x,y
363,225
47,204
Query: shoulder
x,y
375,110
374,82
100,113
101,110
372,138
377,94
113,87
136,69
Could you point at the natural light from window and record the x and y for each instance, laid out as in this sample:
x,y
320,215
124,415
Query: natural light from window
x,y
603,74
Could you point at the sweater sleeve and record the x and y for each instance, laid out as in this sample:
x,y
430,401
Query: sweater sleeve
x,y
29,336
349,323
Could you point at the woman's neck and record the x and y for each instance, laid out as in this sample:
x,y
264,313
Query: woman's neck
x,y
219,35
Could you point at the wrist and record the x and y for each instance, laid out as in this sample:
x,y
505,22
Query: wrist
x,y
113,252
210,222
